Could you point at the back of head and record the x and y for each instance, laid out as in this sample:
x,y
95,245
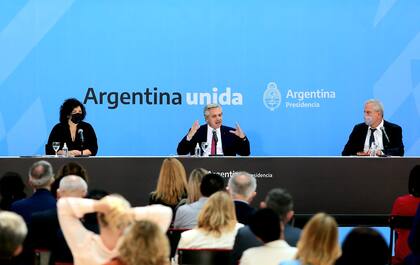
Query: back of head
x,y
12,233
71,168
72,186
218,214
41,174
11,189
265,224
116,219
414,181
172,182
242,184
318,244
211,183
144,243
364,246
194,182
280,201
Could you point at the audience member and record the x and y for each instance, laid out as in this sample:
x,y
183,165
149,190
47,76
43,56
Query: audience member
x,y
172,184
217,225
12,234
71,168
143,244
318,244
11,189
364,246
266,225
53,238
41,177
114,215
414,241
242,186
281,202
406,205
186,215
193,186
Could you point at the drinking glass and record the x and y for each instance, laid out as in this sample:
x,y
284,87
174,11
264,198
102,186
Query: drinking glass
x,y
56,146
205,148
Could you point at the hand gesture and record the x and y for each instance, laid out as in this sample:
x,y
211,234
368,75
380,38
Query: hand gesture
x,y
238,131
193,130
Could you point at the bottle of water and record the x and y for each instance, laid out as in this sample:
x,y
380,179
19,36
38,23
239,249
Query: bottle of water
x,y
373,149
65,150
197,150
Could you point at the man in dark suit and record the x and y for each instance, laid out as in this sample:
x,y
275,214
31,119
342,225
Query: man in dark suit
x,y
221,140
375,132
281,202
53,238
241,187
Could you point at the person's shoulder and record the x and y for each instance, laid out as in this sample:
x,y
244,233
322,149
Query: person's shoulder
x,y
225,128
391,125
18,204
85,124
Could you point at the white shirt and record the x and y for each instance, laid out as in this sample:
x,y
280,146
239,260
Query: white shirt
x,y
219,145
377,135
271,253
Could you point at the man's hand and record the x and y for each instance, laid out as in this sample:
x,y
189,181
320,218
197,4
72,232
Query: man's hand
x,y
193,130
238,132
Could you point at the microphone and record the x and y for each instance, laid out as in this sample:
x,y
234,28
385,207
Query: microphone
x,y
215,136
80,132
384,132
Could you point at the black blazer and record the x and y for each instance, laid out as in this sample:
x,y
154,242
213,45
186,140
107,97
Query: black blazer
x,y
243,212
232,144
357,139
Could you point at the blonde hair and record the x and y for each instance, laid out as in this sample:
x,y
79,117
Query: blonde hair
x,y
218,214
318,244
194,182
144,243
172,182
119,217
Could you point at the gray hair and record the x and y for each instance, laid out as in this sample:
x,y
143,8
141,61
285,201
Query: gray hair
x,y
242,188
41,178
13,231
72,184
280,201
377,105
208,107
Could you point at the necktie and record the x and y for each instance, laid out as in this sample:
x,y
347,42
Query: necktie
x,y
213,144
372,137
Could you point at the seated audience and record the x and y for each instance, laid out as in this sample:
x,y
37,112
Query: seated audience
x,y
406,205
217,225
172,184
266,225
12,234
186,215
414,241
242,186
11,189
318,244
114,215
71,168
143,244
53,238
364,246
193,186
281,202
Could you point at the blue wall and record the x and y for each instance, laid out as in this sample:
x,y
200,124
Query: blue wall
x,y
339,52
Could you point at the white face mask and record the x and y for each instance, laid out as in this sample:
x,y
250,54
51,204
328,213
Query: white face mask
x,y
368,120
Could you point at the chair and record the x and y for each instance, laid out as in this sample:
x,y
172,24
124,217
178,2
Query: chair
x,y
42,256
174,235
204,256
398,222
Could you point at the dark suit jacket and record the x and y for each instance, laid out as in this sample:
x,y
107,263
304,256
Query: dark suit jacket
x,y
243,212
232,144
246,239
356,142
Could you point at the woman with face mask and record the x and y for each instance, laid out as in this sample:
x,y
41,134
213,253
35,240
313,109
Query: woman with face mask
x,y
79,136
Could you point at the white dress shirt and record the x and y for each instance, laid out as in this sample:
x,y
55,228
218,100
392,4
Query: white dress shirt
x,y
219,148
377,135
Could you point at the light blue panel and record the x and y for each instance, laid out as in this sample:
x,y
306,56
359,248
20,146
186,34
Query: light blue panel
x,y
339,52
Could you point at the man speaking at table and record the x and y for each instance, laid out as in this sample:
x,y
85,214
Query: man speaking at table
x,y
375,131
219,139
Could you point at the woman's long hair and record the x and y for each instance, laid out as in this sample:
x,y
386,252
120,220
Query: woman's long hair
x,y
318,244
194,182
218,214
172,182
